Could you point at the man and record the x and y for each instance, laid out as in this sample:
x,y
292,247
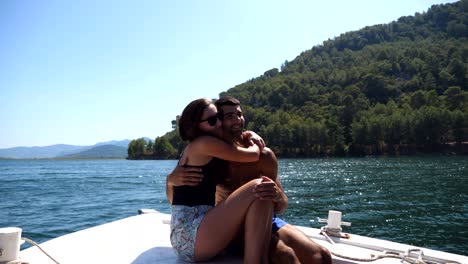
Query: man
x,y
288,244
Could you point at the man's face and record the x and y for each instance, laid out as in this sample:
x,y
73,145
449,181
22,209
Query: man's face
x,y
233,122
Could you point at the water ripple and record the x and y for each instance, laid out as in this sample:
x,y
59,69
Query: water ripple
x,y
417,200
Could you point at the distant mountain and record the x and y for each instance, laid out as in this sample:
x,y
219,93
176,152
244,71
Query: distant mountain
x,y
121,143
101,151
68,152
39,152
61,150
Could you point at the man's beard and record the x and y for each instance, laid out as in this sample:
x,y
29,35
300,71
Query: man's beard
x,y
237,131
234,133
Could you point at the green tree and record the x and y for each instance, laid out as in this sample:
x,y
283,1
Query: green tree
x,y
136,148
430,125
163,149
454,97
459,124
418,99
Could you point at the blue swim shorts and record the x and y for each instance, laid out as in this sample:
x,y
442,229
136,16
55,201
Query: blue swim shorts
x,y
185,221
276,224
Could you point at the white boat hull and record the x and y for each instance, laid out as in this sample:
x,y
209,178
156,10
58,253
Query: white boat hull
x,y
145,239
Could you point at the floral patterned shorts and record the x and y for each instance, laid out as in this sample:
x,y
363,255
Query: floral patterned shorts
x,y
184,225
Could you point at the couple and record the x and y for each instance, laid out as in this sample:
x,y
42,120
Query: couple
x,y
221,164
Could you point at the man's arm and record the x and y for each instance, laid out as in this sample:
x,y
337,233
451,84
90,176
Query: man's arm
x,y
169,189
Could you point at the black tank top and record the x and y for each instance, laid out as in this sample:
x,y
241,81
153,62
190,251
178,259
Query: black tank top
x,y
213,172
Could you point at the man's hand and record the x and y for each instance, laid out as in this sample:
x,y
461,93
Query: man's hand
x,y
181,175
268,190
251,138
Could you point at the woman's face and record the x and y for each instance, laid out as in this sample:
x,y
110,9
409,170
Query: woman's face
x,y
209,121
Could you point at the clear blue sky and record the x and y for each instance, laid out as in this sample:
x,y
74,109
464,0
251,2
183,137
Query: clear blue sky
x,y
82,72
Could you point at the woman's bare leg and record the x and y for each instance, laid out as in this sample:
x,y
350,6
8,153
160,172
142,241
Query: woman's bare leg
x,y
257,232
220,225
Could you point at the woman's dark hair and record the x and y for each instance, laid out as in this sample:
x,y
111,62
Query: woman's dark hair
x,y
190,118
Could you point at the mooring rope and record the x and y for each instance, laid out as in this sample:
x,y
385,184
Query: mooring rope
x,y
386,254
19,261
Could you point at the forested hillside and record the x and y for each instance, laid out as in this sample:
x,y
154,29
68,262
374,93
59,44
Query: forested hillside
x,y
397,88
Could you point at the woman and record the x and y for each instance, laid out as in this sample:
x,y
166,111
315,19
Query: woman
x,y
200,231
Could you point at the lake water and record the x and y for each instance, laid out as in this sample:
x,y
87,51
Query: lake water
x,y
421,201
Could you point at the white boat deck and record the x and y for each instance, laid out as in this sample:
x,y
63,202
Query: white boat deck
x,y
137,239
145,239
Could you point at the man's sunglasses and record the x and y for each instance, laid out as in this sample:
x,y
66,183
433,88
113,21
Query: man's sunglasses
x,y
211,120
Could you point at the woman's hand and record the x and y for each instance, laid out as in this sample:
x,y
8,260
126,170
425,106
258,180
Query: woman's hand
x,y
251,138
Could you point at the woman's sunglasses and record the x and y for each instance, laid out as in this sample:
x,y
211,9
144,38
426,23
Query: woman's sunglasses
x,y
211,120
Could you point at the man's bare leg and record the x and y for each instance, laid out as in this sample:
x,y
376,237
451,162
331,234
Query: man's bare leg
x,y
280,253
305,249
